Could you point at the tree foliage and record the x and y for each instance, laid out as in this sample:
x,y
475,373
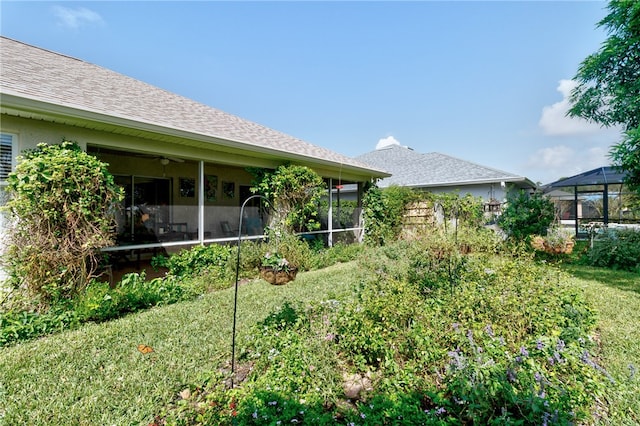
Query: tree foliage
x,y
384,211
526,215
61,213
294,192
608,90
466,209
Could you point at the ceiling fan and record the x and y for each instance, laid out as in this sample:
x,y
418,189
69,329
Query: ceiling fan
x,y
164,160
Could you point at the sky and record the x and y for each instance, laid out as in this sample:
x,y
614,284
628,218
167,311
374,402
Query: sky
x,y
487,82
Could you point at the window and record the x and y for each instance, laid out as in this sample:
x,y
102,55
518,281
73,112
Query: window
x,y
7,155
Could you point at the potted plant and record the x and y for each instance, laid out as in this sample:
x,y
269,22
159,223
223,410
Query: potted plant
x,y
276,269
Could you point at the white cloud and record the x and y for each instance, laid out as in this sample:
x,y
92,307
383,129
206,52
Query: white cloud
x,y
554,120
76,18
388,141
553,163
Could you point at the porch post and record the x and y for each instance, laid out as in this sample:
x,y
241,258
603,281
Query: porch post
x,y
360,224
575,206
330,215
605,203
201,201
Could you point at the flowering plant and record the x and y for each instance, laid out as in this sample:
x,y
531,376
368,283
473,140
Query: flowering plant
x,y
276,261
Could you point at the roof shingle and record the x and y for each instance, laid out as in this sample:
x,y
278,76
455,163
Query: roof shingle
x,y
410,168
41,75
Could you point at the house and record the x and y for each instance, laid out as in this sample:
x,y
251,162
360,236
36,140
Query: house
x,y
183,164
438,172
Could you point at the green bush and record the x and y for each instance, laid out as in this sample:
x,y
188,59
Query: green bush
x,y
98,302
336,254
294,193
62,201
133,293
384,211
525,215
616,249
212,260
16,326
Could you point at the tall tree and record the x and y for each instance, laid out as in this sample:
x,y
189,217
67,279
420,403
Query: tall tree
x,y
608,90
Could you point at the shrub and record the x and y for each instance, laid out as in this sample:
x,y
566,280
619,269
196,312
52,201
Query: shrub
x,y
294,193
98,302
22,325
336,254
616,249
526,215
467,210
384,211
61,204
212,260
559,242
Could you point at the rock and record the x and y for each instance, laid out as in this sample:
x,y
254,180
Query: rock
x,y
355,384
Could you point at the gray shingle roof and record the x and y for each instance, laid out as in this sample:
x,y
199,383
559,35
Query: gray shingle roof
x,y
37,74
411,168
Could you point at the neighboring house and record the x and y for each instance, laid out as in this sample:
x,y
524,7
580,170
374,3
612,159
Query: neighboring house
x,y
183,164
437,172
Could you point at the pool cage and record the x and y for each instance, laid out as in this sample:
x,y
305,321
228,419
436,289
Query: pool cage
x,y
593,200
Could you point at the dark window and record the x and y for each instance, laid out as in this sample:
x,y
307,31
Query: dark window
x,y
6,155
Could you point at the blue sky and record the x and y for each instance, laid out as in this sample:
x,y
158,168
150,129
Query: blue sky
x,y
483,81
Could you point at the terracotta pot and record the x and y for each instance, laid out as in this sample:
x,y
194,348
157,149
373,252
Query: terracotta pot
x,y
274,277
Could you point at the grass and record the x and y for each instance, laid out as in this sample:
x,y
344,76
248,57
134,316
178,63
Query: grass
x,y
615,295
95,375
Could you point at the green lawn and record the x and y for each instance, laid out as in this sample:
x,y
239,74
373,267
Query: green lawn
x,y
616,297
96,376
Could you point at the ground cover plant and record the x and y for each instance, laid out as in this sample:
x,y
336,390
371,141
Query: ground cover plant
x,y
95,374
502,341
616,249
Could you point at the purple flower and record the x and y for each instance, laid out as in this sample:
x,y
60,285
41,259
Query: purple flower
x,y
470,336
511,375
560,346
539,345
538,377
456,326
440,411
558,357
524,351
489,330
457,358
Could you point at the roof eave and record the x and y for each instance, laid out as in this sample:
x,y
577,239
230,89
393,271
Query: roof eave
x,y
516,179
